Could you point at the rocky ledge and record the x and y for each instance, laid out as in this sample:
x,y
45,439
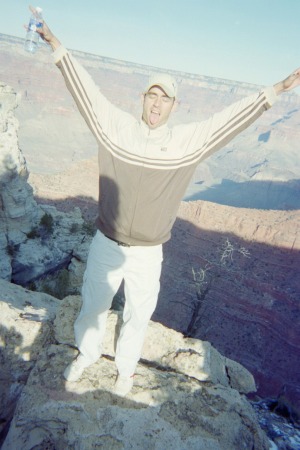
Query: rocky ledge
x,y
185,395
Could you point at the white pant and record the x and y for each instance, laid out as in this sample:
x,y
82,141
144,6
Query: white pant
x,y
108,264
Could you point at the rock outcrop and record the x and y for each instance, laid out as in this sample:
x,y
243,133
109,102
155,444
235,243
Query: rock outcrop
x,y
18,209
185,395
25,331
34,239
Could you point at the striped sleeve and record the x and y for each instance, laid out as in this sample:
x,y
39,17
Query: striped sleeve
x,y
101,116
237,117
207,137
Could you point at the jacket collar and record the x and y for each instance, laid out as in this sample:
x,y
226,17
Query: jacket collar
x,y
155,133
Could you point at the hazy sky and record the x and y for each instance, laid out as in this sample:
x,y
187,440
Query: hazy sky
x,y
257,41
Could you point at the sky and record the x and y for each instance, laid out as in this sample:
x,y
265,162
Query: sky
x,y
255,41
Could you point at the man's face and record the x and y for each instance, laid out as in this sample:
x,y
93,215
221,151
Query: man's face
x,y
157,107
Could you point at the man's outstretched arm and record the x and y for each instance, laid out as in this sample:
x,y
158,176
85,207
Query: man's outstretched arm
x,y
291,82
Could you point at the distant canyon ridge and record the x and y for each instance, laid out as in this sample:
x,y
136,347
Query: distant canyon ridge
x,y
231,269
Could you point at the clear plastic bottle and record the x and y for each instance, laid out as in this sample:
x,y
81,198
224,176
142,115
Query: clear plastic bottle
x,y
32,37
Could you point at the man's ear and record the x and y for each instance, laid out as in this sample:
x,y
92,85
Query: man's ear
x,y
142,97
175,106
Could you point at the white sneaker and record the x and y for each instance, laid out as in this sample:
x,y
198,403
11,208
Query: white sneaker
x,y
74,370
123,385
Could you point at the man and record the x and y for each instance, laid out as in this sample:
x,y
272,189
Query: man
x,y
145,168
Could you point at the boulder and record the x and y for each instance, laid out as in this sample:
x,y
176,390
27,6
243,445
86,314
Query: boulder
x,y
25,330
182,396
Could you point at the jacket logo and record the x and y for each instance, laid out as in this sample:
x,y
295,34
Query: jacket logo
x,y
164,149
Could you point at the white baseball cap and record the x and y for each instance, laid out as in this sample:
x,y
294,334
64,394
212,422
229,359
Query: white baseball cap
x,y
164,81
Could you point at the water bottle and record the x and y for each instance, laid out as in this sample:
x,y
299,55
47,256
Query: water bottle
x,y
32,37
